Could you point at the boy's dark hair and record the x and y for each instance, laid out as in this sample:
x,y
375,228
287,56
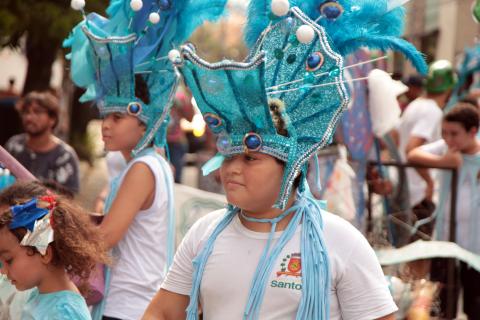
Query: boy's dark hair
x,y
141,89
465,114
276,107
414,81
44,99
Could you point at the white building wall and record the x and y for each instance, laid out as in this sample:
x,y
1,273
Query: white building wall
x,y
448,17
13,63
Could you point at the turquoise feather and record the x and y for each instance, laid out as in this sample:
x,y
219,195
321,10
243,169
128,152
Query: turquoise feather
x,y
107,53
369,22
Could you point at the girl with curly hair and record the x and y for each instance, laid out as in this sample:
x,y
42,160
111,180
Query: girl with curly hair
x,y
45,241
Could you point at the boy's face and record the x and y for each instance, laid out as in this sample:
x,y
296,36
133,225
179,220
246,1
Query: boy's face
x,y
456,137
21,266
252,181
121,132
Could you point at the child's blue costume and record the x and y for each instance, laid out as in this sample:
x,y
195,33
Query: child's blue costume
x,y
109,55
294,73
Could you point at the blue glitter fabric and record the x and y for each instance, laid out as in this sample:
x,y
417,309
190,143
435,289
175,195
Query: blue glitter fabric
x,y
376,24
107,54
305,79
238,94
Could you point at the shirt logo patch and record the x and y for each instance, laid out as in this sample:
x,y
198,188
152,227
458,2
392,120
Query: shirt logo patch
x,y
291,266
290,273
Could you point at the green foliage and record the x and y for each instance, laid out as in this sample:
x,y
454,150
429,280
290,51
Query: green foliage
x,y
40,20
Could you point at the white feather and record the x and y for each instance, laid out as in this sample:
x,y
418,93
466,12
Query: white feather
x,y
392,4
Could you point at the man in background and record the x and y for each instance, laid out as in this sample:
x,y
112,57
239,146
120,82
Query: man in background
x,y
47,157
415,90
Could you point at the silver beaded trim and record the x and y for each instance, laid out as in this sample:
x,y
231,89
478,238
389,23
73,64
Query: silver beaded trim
x,y
188,52
126,39
298,164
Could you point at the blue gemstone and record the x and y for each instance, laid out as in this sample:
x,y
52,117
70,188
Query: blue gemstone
x,y
223,143
212,121
134,108
291,58
331,11
313,61
253,141
164,4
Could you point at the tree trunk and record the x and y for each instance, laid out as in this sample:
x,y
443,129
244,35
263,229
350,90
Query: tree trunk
x,y
40,56
81,114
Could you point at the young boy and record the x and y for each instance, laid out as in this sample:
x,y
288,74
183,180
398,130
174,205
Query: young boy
x,y
273,253
123,63
459,149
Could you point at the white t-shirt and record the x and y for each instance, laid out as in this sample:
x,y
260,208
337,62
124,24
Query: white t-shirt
x,y
140,256
423,119
358,289
467,212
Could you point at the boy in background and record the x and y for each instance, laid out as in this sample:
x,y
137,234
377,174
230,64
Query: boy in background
x,y
459,148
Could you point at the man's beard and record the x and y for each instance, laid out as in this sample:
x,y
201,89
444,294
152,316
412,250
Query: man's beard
x,y
37,131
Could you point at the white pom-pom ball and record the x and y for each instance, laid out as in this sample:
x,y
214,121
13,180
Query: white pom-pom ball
x,y
174,55
136,5
305,34
280,7
77,4
154,18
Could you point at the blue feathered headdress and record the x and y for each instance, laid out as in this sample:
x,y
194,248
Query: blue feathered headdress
x,y
469,65
110,54
350,24
286,98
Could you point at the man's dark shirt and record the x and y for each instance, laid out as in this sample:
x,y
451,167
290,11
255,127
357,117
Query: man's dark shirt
x,y
59,164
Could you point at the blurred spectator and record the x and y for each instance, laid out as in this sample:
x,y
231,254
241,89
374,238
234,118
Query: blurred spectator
x,y
420,124
459,149
415,90
471,101
176,138
38,149
9,117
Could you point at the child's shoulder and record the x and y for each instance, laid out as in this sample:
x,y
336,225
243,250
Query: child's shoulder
x,y
337,226
71,306
156,163
208,221
341,236
203,227
62,305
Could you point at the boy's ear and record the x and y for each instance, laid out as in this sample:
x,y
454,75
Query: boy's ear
x,y
473,131
48,257
143,125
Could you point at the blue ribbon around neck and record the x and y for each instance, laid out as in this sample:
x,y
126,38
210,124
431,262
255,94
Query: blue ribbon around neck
x,y
315,301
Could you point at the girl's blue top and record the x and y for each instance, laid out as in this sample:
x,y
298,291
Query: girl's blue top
x,y
61,305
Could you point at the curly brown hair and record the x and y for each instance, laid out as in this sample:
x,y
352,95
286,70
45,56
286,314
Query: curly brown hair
x,y
77,246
